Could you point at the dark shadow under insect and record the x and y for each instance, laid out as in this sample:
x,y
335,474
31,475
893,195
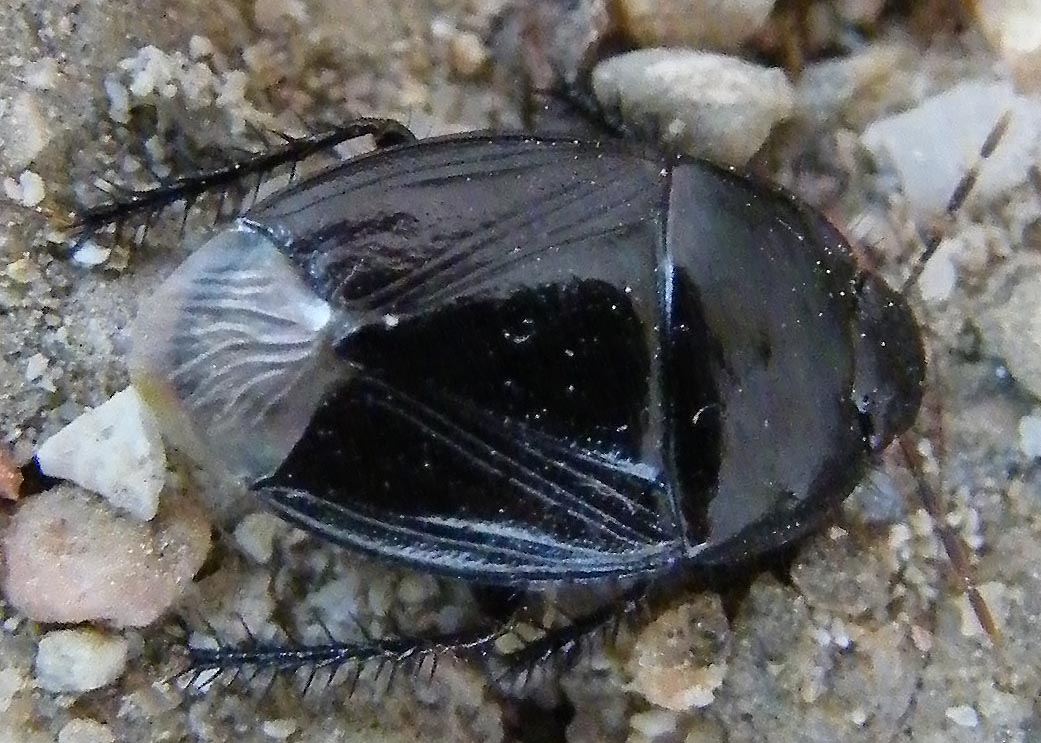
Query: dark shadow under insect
x,y
523,361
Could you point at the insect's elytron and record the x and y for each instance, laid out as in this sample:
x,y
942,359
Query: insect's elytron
x,y
522,360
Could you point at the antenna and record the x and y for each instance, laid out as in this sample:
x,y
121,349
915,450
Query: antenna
x,y
953,545
957,200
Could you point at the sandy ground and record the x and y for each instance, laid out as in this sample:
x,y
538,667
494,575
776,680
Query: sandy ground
x,y
870,640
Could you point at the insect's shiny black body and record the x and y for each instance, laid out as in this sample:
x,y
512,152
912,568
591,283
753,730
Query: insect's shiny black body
x,y
567,360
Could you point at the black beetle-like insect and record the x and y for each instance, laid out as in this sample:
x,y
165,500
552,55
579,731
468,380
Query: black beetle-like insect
x,y
522,360
517,360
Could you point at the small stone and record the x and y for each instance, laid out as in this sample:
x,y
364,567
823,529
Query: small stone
x,y
91,254
932,146
415,588
707,730
69,557
963,715
12,681
41,74
715,24
35,367
655,723
28,190
77,660
279,729
200,47
468,55
118,100
940,275
711,105
1013,28
922,638
848,88
1030,434
22,271
115,450
679,660
256,534
1004,709
12,190
85,730
1012,330
877,499
26,132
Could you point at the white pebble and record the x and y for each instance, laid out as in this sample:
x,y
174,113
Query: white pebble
x,y
932,146
115,450
85,730
77,660
1013,28
12,681
279,729
28,190
26,131
256,534
1013,330
711,105
655,723
939,276
41,74
467,54
922,638
199,47
1030,434
35,367
91,254
963,715
118,100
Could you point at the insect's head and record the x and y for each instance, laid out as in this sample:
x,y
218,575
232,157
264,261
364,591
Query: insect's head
x,y
890,363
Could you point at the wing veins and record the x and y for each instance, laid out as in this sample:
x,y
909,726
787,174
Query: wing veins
x,y
401,288
580,508
479,165
397,524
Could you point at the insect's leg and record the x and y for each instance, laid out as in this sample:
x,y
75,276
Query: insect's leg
x,y
129,205
333,661
561,647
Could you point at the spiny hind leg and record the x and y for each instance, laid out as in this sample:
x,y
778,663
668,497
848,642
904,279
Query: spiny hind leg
x,y
142,205
333,662
560,647
506,648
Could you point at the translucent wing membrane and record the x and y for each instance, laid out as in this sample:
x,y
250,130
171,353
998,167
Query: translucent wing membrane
x,y
233,352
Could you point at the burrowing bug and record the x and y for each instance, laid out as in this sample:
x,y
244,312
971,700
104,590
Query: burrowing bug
x,y
524,360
